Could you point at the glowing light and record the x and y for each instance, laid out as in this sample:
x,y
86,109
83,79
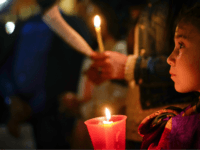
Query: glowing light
x,y
108,115
97,21
2,1
10,27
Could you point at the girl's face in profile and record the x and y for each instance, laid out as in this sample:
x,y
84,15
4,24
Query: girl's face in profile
x,y
185,59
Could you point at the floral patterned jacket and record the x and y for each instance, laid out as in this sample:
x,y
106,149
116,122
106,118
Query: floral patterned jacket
x,y
171,128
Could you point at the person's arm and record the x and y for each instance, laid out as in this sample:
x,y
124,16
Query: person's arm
x,y
129,68
52,17
120,66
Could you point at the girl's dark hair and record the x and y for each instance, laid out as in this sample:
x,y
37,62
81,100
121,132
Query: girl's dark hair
x,y
177,9
117,14
190,16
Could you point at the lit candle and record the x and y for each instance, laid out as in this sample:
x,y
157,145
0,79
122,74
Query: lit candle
x,y
108,116
107,125
107,132
97,23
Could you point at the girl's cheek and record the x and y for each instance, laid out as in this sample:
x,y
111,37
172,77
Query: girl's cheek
x,y
179,54
175,52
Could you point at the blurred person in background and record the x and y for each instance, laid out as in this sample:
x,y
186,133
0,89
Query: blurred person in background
x,y
39,68
146,71
115,25
93,98
9,31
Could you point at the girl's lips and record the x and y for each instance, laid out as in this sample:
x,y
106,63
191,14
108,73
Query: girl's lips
x,y
172,74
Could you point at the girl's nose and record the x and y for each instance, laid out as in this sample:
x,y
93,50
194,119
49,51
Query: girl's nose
x,y
171,59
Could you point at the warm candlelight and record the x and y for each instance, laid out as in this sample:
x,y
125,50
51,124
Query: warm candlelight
x,y
108,129
107,132
97,24
108,116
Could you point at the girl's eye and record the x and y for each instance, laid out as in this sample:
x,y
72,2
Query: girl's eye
x,y
181,45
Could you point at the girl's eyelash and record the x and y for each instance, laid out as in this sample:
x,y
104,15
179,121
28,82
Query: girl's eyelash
x,y
181,45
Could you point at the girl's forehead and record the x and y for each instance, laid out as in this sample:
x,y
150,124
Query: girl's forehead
x,y
187,31
184,27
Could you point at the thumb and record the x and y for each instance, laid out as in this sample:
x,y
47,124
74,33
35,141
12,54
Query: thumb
x,y
98,56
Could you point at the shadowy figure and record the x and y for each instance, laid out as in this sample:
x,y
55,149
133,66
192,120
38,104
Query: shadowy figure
x,y
39,68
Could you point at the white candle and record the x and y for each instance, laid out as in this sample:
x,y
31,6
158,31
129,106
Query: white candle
x,y
97,23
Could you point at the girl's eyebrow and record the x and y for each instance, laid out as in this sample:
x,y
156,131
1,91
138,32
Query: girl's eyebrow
x,y
177,36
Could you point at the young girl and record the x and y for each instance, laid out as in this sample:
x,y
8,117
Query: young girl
x,y
172,127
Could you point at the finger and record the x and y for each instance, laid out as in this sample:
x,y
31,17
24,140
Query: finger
x,y
108,53
98,64
98,56
104,62
106,76
97,80
93,54
106,70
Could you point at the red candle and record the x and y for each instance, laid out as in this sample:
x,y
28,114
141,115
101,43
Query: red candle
x,y
107,133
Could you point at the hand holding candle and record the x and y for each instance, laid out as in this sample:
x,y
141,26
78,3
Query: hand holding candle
x,y
107,132
97,23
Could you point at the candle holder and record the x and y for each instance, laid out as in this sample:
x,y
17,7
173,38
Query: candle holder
x,y
107,135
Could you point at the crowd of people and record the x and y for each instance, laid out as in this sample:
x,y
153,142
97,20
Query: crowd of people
x,y
149,71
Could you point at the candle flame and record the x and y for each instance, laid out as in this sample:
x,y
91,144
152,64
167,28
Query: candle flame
x,y
97,21
108,115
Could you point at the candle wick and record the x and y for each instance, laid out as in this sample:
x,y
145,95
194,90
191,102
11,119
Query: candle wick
x,y
108,119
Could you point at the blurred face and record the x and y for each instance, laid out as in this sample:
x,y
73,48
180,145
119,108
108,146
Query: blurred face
x,y
80,8
185,59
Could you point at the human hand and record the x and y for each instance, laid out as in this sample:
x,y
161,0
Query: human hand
x,y
69,104
20,111
112,65
94,75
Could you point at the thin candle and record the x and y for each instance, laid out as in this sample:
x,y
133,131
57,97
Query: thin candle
x,y
97,24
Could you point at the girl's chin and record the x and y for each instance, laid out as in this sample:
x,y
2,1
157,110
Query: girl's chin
x,y
180,89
